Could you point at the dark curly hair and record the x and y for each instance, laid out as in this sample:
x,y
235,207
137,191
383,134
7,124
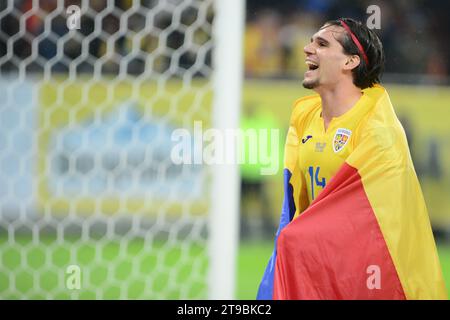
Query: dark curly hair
x,y
364,75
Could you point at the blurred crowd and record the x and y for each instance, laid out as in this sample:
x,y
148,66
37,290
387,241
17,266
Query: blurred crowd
x,y
108,40
414,34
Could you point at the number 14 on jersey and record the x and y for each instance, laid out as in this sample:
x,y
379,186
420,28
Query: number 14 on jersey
x,y
315,181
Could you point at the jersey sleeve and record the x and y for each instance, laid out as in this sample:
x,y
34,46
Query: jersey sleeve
x,y
295,197
294,187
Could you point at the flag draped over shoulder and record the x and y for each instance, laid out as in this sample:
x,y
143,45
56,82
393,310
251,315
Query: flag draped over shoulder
x,y
367,235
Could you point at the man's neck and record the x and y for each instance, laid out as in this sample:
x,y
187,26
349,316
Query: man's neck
x,y
338,101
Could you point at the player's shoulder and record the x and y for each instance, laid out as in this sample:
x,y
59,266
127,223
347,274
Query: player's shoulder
x,y
382,116
384,138
304,107
381,124
307,102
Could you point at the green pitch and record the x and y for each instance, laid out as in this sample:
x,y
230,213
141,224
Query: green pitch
x,y
444,255
122,269
128,269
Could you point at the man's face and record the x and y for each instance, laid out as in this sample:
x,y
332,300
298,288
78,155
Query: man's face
x,y
325,58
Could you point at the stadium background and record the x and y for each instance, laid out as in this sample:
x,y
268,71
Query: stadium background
x,y
415,35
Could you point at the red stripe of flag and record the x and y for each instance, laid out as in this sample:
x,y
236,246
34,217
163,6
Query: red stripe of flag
x,y
335,249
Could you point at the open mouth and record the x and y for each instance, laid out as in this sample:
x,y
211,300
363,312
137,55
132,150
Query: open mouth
x,y
311,65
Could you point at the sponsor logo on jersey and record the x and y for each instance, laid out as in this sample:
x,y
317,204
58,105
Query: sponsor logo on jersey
x,y
341,138
306,139
320,146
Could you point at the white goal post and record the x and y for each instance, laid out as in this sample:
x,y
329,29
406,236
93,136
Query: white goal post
x,y
229,28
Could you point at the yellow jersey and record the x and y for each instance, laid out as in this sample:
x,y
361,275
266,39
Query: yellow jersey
x,y
322,152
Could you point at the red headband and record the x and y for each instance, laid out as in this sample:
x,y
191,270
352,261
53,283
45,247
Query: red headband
x,y
355,41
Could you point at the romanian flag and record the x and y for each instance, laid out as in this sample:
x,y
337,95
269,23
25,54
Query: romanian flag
x,y
367,235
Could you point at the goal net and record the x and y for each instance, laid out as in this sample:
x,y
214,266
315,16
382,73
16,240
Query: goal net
x,y
91,204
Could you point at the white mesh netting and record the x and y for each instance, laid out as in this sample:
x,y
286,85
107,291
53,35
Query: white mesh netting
x,y
86,179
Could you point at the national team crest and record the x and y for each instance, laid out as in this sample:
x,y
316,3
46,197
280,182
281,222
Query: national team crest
x,y
341,138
